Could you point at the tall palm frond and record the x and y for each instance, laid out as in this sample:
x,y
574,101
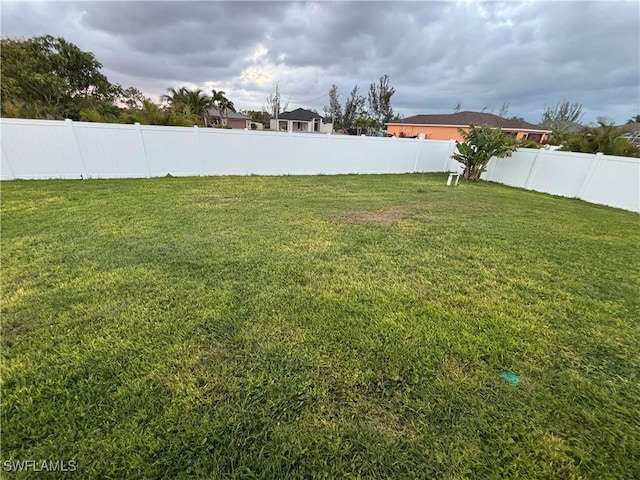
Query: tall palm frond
x,y
222,104
197,102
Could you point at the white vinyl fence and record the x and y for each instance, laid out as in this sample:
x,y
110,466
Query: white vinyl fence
x,y
40,149
595,178
64,149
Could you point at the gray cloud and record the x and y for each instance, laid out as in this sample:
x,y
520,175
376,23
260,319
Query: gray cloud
x,y
531,54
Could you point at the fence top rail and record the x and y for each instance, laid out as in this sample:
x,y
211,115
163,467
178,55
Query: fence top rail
x,y
214,131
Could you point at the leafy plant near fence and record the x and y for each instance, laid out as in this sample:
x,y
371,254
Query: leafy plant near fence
x,y
605,138
480,144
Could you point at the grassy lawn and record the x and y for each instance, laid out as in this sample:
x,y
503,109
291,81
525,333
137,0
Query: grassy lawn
x,y
318,327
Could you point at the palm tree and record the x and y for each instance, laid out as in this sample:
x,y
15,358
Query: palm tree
x,y
152,114
198,103
222,104
189,102
176,99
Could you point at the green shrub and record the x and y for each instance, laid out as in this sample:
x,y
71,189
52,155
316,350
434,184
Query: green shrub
x,y
480,144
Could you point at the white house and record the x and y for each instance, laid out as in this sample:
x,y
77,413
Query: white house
x,y
301,120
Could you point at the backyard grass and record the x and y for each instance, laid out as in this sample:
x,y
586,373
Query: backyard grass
x,y
318,327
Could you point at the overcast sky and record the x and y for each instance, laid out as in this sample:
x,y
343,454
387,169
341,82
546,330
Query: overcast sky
x,y
481,54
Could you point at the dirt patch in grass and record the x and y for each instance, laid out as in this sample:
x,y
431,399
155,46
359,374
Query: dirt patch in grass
x,y
382,216
14,330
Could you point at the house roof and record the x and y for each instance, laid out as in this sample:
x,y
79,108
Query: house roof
x,y
631,127
464,119
230,115
299,114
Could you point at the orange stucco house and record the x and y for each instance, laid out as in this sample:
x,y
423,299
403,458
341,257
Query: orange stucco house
x,y
445,126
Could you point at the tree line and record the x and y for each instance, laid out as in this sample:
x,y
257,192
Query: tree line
x,y
604,136
371,111
50,78
563,120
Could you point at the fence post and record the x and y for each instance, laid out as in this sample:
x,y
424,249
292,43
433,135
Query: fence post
x,y
589,175
196,132
246,150
393,140
363,138
419,144
487,175
144,149
490,169
69,124
5,160
532,171
447,161
327,154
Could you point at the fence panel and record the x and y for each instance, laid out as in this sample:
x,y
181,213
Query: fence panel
x,y
172,150
340,158
400,155
559,173
34,149
513,170
435,156
307,154
111,151
268,153
223,152
615,181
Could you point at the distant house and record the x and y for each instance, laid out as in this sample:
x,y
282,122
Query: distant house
x,y
445,126
632,132
234,120
301,120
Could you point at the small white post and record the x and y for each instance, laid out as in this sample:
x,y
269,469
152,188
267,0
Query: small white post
x,y
450,179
